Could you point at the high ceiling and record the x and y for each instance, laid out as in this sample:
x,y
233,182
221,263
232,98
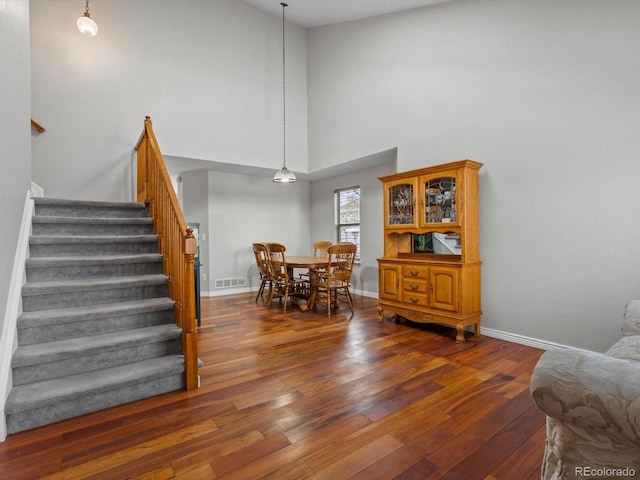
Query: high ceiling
x,y
314,13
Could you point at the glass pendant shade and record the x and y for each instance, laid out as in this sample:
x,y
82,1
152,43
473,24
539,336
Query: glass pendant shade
x,y
284,175
87,26
85,23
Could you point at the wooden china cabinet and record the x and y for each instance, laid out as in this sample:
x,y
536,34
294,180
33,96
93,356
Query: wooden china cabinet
x,y
430,271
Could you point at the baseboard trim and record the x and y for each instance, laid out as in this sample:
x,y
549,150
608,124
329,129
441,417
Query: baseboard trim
x,y
9,335
227,291
524,340
365,293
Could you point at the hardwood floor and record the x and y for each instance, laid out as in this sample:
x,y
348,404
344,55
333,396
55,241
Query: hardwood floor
x,y
300,396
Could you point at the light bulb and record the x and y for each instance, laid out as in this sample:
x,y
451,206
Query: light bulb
x,y
87,26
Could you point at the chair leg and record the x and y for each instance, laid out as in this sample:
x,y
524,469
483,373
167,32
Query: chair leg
x,y
273,287
270,296
261,289
312,299
317,296
286,298
349,300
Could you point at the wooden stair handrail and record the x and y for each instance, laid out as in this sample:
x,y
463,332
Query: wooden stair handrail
x,y
37,126
175,241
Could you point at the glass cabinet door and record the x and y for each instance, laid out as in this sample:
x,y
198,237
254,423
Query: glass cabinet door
x,y
439,200
401,204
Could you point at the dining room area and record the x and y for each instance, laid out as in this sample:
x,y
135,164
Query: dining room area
x,y
236,210
305,281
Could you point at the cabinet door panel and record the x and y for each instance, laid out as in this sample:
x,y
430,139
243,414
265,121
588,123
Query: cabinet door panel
x,y
400,204
444,287
389,282
438,198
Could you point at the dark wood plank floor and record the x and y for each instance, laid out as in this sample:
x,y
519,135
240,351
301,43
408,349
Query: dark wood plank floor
x,y
305,397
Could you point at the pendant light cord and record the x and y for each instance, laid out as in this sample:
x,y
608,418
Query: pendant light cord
x,y
284,97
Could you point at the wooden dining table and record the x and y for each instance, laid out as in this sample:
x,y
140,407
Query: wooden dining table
x,y
305,261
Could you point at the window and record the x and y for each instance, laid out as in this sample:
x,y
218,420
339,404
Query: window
x,y
347,216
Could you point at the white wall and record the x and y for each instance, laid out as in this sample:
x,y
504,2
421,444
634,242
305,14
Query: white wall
x,y
545,94
244,209
208,73
195,206
15,132
365,274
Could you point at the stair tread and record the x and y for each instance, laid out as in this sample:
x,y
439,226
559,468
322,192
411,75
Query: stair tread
x,y
49,392
86,203
92,312
62,349
93,260
83,285
67,239
92,220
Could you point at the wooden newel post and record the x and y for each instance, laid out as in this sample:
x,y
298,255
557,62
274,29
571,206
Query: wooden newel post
x,y
142,163
189,334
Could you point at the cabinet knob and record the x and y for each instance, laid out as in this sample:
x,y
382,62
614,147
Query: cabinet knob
x,y
414,287
414,300
414,273
431,287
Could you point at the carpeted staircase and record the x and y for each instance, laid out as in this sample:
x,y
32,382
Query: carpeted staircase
x,y
97,328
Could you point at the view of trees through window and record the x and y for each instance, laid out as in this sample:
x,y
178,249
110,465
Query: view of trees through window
x,y
347,216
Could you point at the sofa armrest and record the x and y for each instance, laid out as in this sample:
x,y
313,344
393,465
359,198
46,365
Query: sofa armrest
x,y
631,318
592,393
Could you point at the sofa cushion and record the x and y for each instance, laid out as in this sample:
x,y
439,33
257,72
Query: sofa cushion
x,y
628,348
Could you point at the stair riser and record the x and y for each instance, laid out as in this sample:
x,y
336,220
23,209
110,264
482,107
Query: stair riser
x,y
61,273
87,363
92,403
86,328
88,229
32,303
89,212
84,249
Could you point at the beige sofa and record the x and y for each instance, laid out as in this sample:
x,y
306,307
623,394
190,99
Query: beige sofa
x,y
592,402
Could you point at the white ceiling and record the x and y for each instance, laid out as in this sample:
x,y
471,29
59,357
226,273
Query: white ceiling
x,y
314,13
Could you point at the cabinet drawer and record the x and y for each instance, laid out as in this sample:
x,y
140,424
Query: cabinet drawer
x,y
413,298
417,285
414,271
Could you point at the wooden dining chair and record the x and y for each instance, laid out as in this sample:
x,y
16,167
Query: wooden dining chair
x,y
261,254
321,247
331,284
282,283
319,250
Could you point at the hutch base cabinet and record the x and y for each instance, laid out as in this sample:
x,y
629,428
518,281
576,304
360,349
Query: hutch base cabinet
x,y
430,292
430,271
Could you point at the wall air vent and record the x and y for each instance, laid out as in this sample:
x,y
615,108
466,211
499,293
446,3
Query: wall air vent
x,y
230,282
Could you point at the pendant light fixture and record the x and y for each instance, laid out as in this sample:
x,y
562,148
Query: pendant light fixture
x,y
86,24
284,175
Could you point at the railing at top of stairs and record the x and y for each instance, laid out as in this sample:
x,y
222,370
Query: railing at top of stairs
x,y
37,126
175,240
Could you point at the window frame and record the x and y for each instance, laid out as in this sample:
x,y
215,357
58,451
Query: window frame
x,y
337,209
